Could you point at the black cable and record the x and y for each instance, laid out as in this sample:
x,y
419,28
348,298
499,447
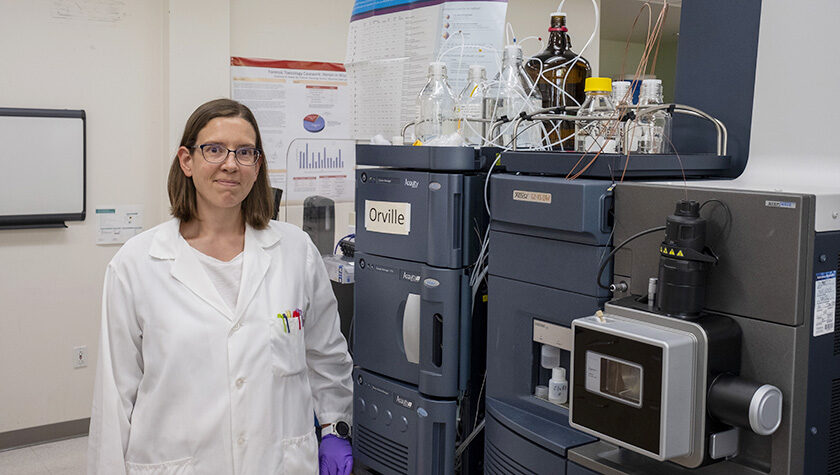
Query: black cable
x,y
616,248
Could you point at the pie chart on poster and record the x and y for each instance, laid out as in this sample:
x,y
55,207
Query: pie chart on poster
x,y
313,123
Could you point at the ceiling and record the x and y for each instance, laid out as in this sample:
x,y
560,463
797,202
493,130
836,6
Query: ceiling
x,y
617,18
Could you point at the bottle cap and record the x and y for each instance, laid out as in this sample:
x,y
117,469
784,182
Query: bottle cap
x,y
598,84
651,88
558,373
512,54
477,71
620,85
437,68
541,391
619,90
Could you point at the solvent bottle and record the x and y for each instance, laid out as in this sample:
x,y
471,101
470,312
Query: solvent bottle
x,y
471,106
558,387
595,136
435,106
622,98
513,92
653,130
556,69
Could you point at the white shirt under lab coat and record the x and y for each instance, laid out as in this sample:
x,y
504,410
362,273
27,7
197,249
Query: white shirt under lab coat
x,y
185,385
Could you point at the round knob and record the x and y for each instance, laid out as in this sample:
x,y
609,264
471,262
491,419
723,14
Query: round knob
x,y
766,410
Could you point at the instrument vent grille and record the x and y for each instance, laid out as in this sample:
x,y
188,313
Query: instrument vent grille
x,y
834,430
381,450
497,462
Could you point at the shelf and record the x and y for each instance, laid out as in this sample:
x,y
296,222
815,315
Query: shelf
x,y
426,158
612,165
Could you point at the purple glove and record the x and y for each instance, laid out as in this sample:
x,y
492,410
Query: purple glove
x,y
335,456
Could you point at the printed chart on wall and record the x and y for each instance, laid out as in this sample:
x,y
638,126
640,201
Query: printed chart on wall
x,y
391,43
303,110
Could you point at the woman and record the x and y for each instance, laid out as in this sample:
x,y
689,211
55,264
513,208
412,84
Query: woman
x,y
220,334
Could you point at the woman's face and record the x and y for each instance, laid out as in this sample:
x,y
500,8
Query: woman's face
x,y
224,185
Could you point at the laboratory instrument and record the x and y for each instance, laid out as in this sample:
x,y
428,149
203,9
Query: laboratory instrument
x,y
733,369
418,336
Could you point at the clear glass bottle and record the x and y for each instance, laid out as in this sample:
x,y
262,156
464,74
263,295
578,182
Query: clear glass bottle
x,y
597,135
512,93
653,130
621,96
436,106
560,72
471,106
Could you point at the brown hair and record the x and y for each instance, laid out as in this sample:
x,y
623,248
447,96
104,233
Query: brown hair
x,y
258,206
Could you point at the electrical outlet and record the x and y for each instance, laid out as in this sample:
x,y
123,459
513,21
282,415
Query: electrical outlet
x,y
80,356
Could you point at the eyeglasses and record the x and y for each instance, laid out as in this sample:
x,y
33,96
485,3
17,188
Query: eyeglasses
x,y
216,153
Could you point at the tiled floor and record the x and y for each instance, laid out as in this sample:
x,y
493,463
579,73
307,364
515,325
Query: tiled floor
x,y
65,457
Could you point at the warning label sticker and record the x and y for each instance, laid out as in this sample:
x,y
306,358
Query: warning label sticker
x,y
825,302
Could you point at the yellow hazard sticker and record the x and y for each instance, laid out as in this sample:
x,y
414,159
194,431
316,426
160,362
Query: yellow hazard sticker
x,y
670,252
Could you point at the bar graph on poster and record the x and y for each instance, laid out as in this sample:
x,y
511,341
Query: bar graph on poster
x,y
322,167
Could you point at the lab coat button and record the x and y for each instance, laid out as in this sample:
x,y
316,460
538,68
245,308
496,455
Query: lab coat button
x,y
240,382
241,440
237,327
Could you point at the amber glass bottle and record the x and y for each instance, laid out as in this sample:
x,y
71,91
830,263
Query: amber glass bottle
x,y
558,65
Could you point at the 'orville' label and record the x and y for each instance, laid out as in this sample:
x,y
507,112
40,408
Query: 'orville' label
x,y
388,217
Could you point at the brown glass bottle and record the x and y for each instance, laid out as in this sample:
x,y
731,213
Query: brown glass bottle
x,y
557,66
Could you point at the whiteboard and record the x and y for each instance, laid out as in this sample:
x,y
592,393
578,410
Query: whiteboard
x,y
43,164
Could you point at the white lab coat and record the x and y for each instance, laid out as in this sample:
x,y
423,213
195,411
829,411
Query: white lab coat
x,y
184,385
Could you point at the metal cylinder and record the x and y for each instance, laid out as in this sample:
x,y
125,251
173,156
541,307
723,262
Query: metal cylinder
x,y
738,402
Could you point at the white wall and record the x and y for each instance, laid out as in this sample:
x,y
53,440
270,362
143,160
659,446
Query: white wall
x,y
50,280
138,74
309,31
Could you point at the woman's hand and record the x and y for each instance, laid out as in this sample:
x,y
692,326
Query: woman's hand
x,y
335,456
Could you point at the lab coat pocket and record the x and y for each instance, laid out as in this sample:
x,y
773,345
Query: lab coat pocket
x,y
288,351
300,455
182,466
